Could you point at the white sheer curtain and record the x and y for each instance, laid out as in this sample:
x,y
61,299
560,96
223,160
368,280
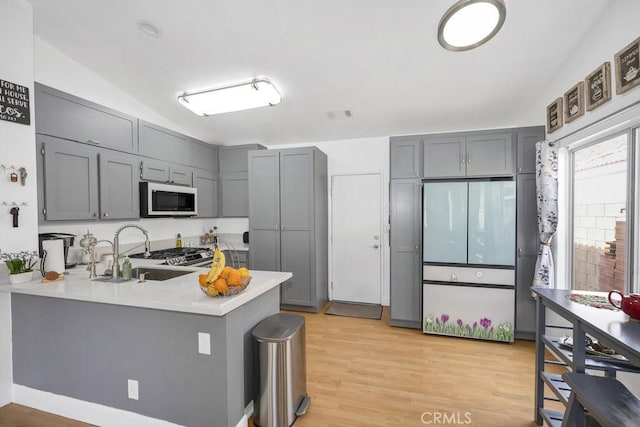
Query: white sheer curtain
x,y
547,194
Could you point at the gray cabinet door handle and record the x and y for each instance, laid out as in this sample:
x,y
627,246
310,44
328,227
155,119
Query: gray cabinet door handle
x,y
93,141
374,246
106,214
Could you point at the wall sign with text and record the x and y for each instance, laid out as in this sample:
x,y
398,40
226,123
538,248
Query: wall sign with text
x,y
628,67
14,103
598,85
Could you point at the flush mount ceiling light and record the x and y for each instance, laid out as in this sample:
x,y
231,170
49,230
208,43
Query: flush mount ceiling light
x,y
470,23
243,96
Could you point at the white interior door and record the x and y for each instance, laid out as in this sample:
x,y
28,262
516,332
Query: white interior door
x,y
356,237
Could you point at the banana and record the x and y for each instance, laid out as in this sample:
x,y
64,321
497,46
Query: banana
x,y
217,265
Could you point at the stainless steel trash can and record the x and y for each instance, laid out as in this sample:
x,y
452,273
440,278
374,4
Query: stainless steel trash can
x,y
282,374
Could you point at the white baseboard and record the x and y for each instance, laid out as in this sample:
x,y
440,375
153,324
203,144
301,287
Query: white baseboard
x,y
80,410
94,413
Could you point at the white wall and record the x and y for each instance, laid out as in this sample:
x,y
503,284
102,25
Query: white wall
x,y
360,156
17,148
617,28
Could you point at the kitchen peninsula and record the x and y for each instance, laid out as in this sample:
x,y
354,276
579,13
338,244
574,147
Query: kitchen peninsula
x,y
162,349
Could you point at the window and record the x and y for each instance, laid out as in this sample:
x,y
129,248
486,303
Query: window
x,y
600,177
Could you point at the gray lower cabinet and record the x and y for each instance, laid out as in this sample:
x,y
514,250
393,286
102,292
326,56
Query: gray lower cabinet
x,y
235,194
66,116
75,188
476,154
288,222
406,272
207,185
159,171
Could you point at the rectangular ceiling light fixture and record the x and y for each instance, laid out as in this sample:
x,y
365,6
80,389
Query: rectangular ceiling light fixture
x,y
242,96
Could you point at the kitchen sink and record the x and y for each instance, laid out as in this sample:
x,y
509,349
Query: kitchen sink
x,y
156,274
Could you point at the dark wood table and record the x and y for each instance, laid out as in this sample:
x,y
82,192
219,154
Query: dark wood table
x,y
611,328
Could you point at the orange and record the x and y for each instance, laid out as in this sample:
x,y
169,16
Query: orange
x,y
202,279
244,272
221,285
235,278
226,271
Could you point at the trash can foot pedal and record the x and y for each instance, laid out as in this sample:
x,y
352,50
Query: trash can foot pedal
x,y
304,405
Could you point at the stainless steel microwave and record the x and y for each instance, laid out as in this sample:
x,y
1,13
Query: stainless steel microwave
x,y
158,200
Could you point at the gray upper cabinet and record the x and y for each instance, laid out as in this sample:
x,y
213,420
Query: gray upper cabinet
x,y
406,272
70,180
235,194
119,189
490,155
164,144
234,179
66,116
207,185
235,158
406,157
159,171
444,156
468,155
288,221
526,148
81,182
203,155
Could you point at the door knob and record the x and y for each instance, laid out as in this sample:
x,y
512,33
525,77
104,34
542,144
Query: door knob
x,y
376,237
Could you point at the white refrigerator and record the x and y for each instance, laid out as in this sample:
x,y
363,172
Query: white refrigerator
x,y
469,258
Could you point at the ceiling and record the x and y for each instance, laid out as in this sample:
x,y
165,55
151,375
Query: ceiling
x,y
380,59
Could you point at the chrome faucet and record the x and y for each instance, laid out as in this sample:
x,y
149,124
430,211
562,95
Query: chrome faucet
x,y
92,263
116,247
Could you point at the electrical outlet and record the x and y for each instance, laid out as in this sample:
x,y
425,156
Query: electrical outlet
x,y
204,343
132,389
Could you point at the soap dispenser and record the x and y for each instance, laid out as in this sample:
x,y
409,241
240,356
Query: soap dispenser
x,y
126,268
178,241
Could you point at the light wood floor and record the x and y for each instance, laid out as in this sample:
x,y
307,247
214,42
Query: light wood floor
x,y
363,372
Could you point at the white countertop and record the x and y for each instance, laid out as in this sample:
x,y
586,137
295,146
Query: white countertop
x,y
178,294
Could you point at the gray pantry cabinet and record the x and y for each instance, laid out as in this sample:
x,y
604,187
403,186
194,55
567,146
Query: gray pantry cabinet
x,y
288,222
527,239
80,182
66,116
468,155
234,179
406,260
207,185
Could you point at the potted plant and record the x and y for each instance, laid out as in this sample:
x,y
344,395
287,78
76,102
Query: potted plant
x,y
20,265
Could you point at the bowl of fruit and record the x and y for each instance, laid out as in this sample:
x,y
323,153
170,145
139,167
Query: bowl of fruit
x,y
223,280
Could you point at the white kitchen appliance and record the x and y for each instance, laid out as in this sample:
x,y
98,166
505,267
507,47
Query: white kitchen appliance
x,y
469,258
